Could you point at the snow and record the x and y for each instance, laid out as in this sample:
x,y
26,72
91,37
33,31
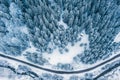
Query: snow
x,y
4,78
62,23
31,49
66,76
14,10
24,29
117,38
66,57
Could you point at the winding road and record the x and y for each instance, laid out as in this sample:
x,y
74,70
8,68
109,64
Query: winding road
x,y
61,72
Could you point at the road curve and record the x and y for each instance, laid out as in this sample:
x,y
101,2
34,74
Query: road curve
x,y
60,72
108,70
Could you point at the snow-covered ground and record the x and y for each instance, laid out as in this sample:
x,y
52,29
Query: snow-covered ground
x,y
15,64
62,23
67,57
117,38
